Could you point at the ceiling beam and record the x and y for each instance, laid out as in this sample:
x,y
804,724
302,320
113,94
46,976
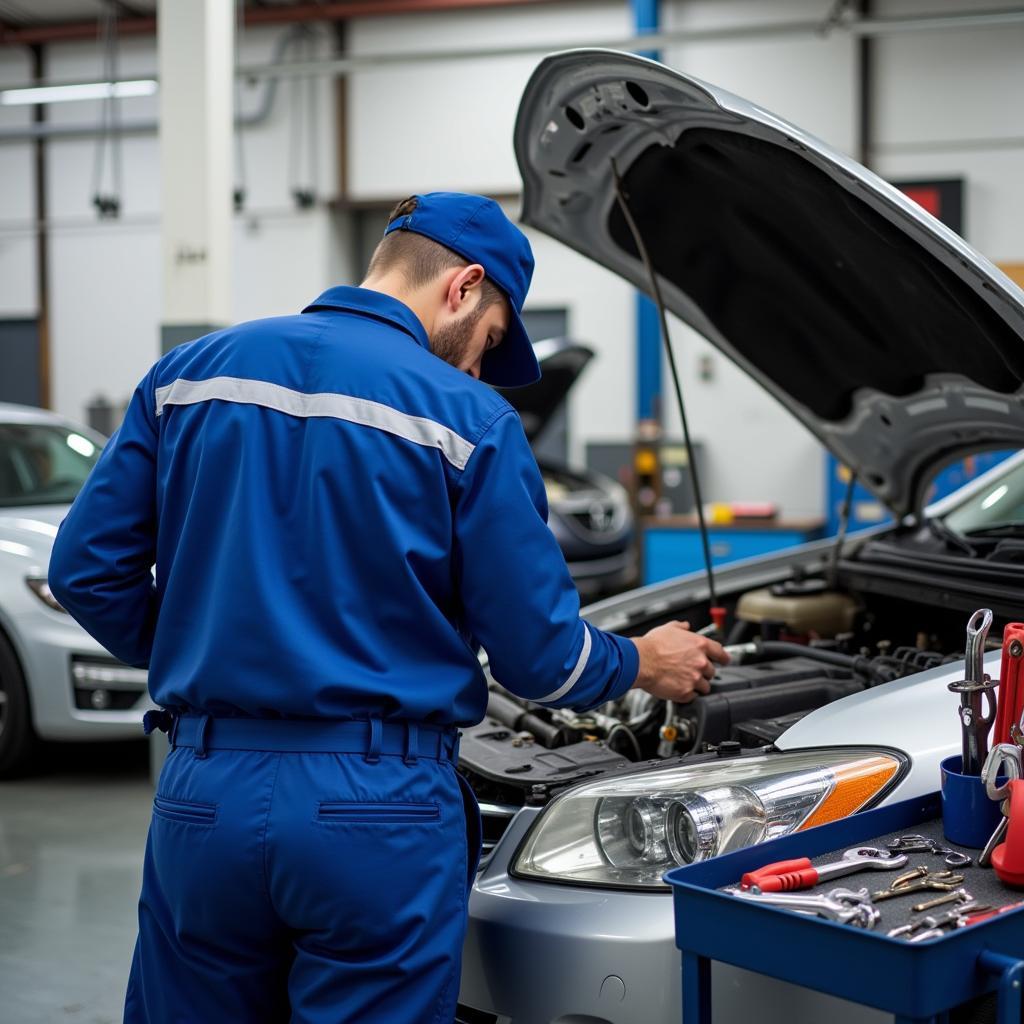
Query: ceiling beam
x,y
29,35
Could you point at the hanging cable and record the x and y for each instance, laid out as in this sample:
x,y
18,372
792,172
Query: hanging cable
x,y
108,205
238,193
717,612
303,130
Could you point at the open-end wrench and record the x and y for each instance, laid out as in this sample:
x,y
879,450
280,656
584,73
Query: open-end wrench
x,y
859,914
972,689
786,875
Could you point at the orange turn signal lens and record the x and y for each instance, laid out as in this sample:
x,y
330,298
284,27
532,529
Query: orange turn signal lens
x,y
856,784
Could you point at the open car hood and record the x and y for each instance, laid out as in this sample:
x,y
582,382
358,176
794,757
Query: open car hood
x,y
561,362
897,344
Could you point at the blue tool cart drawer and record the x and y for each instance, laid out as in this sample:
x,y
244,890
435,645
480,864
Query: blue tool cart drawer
x,y
673,548
914,982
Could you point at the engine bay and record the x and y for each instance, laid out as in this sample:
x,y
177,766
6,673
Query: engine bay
x,y
796,645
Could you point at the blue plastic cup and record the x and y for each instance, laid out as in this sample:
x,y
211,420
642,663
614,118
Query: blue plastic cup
x,y
969,817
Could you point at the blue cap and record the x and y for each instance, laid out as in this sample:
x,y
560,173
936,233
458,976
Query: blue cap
x,y
477,229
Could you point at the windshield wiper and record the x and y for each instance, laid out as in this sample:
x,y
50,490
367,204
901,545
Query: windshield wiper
x,y
938,528
1008,529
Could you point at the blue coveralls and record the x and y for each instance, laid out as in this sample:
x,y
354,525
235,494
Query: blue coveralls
x,y
338,520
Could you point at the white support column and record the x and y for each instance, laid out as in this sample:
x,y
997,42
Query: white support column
x,y
196,55
196,42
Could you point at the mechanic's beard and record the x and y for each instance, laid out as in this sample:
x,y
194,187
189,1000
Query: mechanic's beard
x,y
451,342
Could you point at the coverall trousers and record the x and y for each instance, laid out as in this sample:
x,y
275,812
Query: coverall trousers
x,y
304,886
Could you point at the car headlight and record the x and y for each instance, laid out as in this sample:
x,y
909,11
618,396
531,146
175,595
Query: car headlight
x,y
627,832
39,587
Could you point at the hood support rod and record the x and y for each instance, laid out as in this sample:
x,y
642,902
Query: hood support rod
x,y
717,613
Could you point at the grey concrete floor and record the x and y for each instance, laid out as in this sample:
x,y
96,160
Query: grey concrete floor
x,y
71,845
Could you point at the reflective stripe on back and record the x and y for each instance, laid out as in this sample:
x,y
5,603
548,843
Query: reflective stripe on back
x,y
455,448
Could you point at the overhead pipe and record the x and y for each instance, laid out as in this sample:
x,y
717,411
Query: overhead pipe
x,y
374,8
278,15
342,65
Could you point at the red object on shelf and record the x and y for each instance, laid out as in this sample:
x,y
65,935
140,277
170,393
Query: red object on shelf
x,y
1010,701
1008,857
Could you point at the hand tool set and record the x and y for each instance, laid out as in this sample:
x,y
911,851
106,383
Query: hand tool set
x,y
935,932
998,772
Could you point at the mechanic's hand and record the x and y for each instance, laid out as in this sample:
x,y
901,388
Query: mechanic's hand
x,y
676,664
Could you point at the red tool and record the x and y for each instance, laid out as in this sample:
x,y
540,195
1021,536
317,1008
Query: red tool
x,y
1008,857
786,875
1011,683
985,914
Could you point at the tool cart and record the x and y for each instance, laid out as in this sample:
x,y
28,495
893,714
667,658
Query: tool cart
x,y
918,982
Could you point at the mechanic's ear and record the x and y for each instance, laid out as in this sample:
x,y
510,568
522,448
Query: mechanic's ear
x,y
464,288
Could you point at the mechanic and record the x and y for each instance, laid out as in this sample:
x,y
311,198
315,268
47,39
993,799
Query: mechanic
x,y
340,514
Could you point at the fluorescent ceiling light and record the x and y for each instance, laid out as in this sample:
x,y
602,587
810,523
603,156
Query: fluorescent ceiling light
x,y
84,91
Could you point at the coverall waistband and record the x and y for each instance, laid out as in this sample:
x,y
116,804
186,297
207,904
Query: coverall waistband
x,y
373,737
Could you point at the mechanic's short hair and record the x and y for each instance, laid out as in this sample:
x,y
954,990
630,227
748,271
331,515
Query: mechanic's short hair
x,y
420,259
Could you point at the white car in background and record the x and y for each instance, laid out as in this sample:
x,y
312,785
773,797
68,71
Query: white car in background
x,y
56,682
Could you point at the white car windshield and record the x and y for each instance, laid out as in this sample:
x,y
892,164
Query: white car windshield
x,y
43,463
997,509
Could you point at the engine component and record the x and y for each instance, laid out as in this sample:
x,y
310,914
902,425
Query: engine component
x,y
762,732
802,606
857,663
520,719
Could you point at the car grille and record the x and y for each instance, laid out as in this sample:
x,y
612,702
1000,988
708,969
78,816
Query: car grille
x,y
495,819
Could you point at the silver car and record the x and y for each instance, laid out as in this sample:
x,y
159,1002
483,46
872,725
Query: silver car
x,y
56,682
901,349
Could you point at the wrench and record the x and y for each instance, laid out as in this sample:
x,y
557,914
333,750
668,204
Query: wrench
x,y
975,688
858,914
785,875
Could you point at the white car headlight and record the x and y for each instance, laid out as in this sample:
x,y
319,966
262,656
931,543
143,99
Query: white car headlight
x,y
628,832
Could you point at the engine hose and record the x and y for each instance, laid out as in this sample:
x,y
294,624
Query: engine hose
x,y
518,719
781,649
625,730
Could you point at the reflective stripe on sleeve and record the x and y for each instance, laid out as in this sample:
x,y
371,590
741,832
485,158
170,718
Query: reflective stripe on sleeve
x,y
581,664
429,433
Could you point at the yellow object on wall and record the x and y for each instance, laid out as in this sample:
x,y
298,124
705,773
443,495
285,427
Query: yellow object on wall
x,y
1014,271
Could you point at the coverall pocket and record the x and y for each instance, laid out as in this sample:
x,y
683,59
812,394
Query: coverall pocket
x,y
184,810
383,812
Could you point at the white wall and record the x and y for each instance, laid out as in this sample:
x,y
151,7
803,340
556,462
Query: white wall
x,y
952,105
105,275
948,104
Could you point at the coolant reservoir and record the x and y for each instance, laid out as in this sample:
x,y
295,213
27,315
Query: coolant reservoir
x,y
804,606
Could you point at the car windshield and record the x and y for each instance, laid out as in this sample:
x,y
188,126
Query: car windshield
x,y
43,463
996,509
